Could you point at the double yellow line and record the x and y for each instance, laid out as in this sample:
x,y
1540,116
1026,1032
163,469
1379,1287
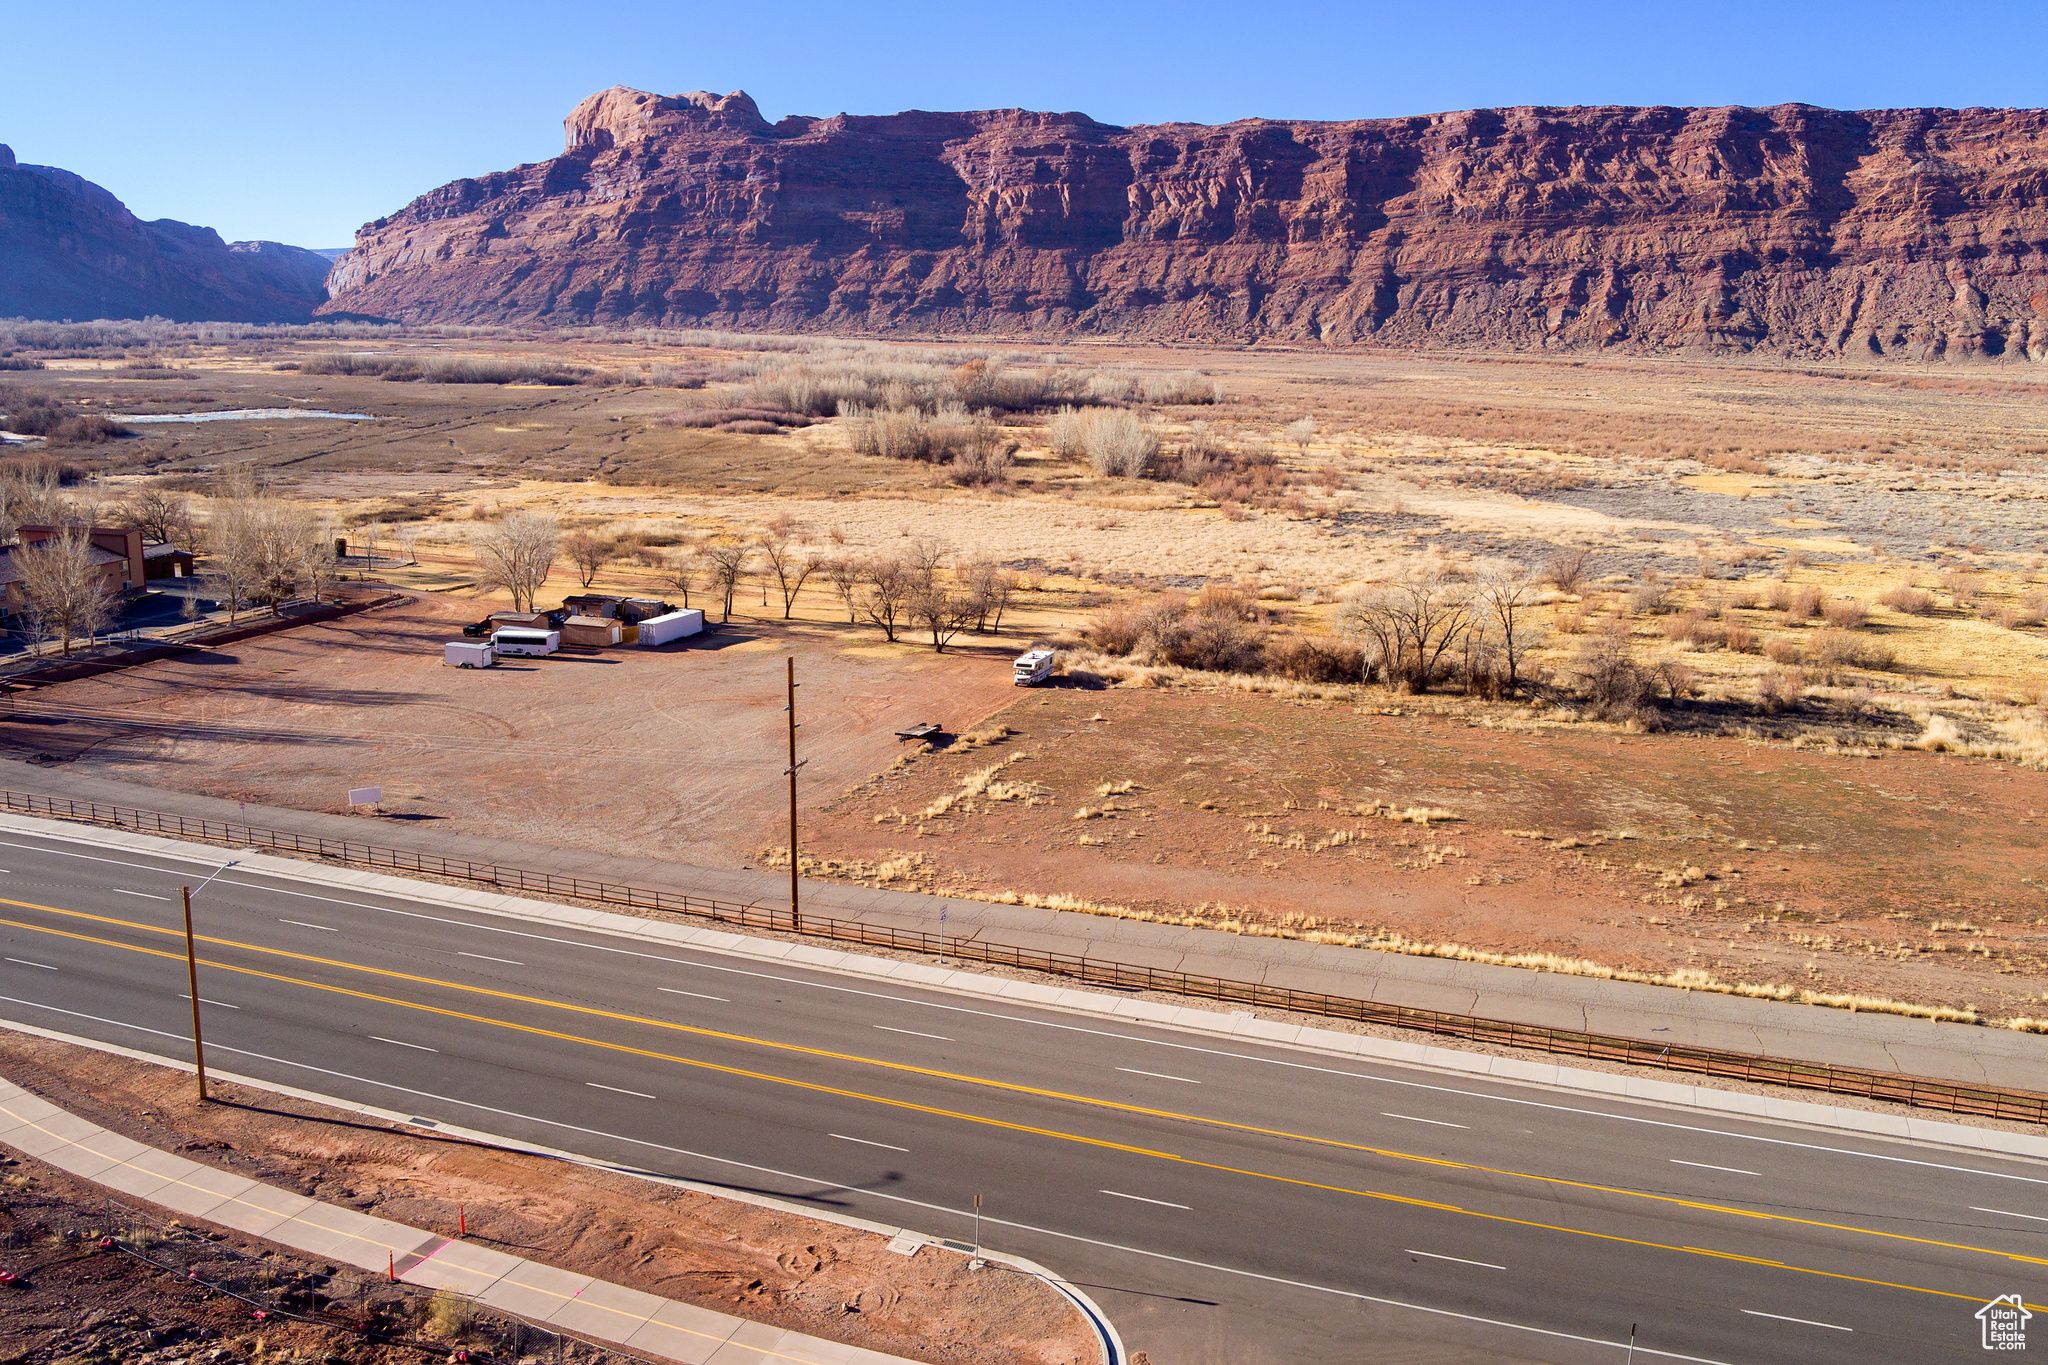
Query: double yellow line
x,y
992,1084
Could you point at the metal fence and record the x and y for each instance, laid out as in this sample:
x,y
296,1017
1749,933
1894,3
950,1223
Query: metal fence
x,y
1984,1101
367,1304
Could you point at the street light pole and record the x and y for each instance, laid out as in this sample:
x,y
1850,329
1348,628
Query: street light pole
x,y
796,914
192,977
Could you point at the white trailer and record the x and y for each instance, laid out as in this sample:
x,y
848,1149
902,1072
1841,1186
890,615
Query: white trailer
x,y
1033,667
659,630
469,654
523,641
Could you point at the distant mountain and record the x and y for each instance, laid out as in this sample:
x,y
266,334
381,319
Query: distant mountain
x,y
70,249
1794,230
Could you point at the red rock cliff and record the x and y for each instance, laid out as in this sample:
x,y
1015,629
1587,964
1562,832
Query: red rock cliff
x,y
1793,229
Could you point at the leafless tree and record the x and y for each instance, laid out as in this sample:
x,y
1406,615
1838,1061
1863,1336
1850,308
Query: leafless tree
x,y
926,558
164,518
517,554
409,543
790,565
373,532
844,575
589,554
890,584
1569,568
1413,623
66,594
30,496
266,550
942,611
1504,604
991,586
683,571
726,561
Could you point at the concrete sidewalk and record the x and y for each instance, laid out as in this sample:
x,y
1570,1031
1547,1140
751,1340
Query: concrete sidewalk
x,y
1657,1014
538,1293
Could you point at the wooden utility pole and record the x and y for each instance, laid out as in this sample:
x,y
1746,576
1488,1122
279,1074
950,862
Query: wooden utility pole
x,y
796,914
192,979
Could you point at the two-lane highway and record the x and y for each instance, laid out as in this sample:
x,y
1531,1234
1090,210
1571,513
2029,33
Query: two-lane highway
x,y
1224,1200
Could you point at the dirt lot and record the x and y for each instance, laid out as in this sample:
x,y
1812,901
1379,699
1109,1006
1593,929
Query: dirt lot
x,y
753,1262
1911,876
675,752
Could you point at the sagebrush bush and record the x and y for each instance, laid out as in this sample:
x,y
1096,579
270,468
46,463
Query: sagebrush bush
x,y
1910,601
1845,613
1314,659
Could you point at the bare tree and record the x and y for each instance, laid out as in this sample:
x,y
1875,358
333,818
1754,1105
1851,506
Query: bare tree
x,y
409,543
726,563
1505,603
926,558
790,565
1413,623
66,594
164,518
682,571
844,575
890,585
1569,567
517,554
940,610
266,550
29,496
589,554
373,532
991,587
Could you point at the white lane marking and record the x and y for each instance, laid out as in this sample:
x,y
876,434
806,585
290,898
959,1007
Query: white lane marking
x,y
636,1094
24,962
694,995
303,925
1143,1200
1412,1119
122,890
217,1004
1483,1265
1157,1075
1803,1322
1052,1024
395,1043
914,1033
481,957
813,1183
865,1143
2008,1213
1703,1166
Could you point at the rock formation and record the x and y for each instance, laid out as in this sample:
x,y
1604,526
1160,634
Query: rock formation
x,y
69,249
1797,230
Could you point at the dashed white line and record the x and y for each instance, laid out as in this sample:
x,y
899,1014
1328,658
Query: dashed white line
x,y
914,1033
694,995
24,962
1803,1322
1703,1166
124,891
1439,1123
217,1004
1157,1075
2008,1213
636,1094
865,1143
1143,1200
395,1043
1483,1265
485,957
325,929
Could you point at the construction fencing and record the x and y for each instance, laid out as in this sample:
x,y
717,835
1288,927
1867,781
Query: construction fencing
x,y
1921,1092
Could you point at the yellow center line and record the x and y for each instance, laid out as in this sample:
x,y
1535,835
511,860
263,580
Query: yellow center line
x,y
1005,1086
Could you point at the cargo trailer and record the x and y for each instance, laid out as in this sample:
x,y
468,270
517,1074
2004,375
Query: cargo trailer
x,y
469,654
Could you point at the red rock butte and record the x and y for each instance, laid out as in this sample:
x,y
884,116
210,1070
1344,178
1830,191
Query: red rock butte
x,y
1795,230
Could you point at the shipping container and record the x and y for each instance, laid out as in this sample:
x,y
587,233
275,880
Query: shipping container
x,y
659,630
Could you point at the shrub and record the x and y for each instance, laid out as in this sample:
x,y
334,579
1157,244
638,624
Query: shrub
x,y
1569,569
1212,643
1182,390
1740,639
720,417
1783,651
1845,613
1802,604
1781,689
1910,601
1963,587
1116,630
1117,443
89,430
1314,659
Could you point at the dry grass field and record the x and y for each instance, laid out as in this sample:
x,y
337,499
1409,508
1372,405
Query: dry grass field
x,y
1822,591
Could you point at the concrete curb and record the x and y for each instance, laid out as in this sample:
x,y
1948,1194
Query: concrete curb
x,y
1106,1333
1210,1023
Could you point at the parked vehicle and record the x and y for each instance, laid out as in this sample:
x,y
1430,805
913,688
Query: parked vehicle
x,y
469,654
535,643
1033,667
478,630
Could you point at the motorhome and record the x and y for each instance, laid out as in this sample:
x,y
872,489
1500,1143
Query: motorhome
x,y
1034,667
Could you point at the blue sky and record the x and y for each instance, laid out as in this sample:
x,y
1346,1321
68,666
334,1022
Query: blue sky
x,y
298,123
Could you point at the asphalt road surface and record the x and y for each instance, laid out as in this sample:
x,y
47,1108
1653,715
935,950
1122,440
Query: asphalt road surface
x,y
1224,1201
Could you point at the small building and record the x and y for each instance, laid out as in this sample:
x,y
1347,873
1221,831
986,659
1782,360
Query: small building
x,y
524,620
166,561
600,605
590,631
116,554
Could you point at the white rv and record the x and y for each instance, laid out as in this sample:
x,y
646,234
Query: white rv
x,y
469,654
526,641
1034,667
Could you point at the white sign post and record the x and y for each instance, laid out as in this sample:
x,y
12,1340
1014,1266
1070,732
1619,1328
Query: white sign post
x,y
364,796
